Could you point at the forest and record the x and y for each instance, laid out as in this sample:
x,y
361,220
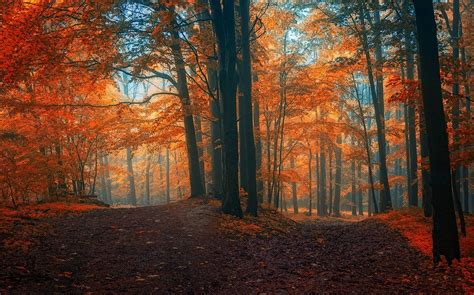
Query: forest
x,y
236,146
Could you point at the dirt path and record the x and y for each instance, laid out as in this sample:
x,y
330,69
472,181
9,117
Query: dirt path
x,y
180,248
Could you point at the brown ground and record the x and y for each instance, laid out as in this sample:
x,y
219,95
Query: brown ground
x,y
189,247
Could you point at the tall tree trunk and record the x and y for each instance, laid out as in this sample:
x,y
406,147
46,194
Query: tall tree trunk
x,y
274,180
200,141
407,153
162,177
445,234
338,185
243,159
310,181
147,180
246,114
176,173
132,194
216,155
195,178
224,28
281,136
376,89
318,185
398,162
103,185
62,186
330,182
168,196
425,162
425,172
108,181
385,198
455,119
215,145
269,157
371,201
353,187
322,197
412,154
465,168
94,180
200,147
258,151
293,188
279,127
407,138
360,201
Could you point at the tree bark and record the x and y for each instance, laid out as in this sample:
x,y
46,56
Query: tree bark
x,y
310,182
377,97
147,180
407,153
455,119
318,185
337,192
371,201
322,197
246,114
108,181
258,151
132,195
445,234
224,28
426,201
412,153
278,131
216,155
330,201
465,168
353,187
425,172
269,167
103,185
243,158
293,188
168,196
195,178
360,201
215,144
200,147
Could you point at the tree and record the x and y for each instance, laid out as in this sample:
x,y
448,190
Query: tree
x,y
168,197
132,195
215,147
376,88
294,193
410,120
337,193
195,178
147,192
322,198
224,28
246,112
445,234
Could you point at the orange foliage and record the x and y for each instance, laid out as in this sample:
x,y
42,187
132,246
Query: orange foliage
x,y
411,223
21,233
268,223
46,210
417,229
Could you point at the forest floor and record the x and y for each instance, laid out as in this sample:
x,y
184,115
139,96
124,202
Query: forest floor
x,y
189,247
